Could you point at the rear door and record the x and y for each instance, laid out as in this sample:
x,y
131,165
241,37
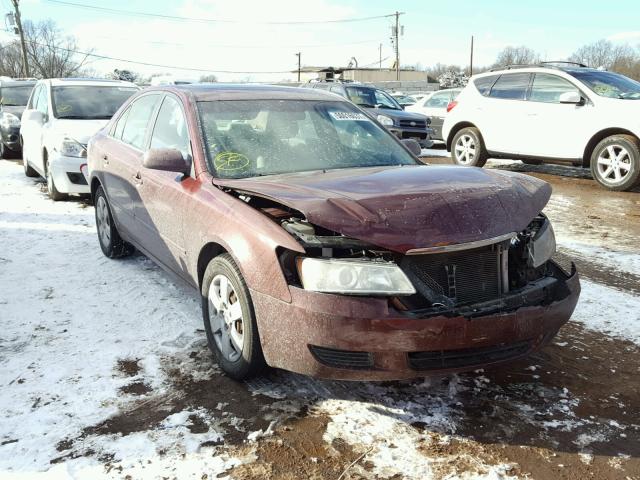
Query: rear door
x,y
503,113
559,130
122,160
163,195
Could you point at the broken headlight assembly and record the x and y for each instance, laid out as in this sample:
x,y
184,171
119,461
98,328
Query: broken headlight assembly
x,y
543,244
353,276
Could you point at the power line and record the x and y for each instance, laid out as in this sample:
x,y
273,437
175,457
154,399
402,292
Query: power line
x,y
124,60
118,11
219,45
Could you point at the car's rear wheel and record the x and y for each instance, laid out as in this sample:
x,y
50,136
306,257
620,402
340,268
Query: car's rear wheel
x,y
468,148
53,192
229,319
112,245
615,162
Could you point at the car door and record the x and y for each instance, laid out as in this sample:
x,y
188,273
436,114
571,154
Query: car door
x,y
163,194
501,115
558,130
122,160
435,107
31,129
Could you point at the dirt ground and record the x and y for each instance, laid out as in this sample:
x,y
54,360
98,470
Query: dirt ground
x,y
571,411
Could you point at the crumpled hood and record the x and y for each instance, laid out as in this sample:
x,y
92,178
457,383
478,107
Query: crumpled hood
x,y
403,208
80,130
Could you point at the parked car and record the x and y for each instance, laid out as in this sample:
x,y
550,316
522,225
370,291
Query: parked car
x,y
61,116
318,242
435,106
14,94
378,104
559,112
403,100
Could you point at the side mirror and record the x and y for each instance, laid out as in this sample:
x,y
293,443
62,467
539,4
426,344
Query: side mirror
x,y
167,160
572,98
411,145
34,116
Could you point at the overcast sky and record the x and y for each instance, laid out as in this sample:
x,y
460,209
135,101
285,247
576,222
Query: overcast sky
x,y
434,31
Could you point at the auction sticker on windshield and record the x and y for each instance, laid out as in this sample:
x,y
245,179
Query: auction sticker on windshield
x,y
359,117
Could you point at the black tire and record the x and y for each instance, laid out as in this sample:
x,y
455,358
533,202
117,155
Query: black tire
x,y
476,158
112,245
28,170
629,163
53,192
530,161
2,150
250,360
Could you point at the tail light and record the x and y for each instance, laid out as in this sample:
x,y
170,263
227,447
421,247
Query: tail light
x,y
451,106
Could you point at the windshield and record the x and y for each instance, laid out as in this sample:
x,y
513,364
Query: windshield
x,y
609,84
267,137
372,97
89,102
15,96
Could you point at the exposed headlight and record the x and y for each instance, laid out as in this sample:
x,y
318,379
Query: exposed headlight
x,y
384,120
543,245
71,148
9,120
353,277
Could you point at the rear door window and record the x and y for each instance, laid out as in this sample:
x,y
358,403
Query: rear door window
x,y
548,88
484,84
137,122
511,86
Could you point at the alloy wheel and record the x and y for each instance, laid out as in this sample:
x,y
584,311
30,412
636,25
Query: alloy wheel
x,y
225,318
103,221
465,149
614,164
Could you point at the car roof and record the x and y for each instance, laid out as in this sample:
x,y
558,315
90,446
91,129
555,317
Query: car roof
x,y
232,91
536,68
13,82
56,82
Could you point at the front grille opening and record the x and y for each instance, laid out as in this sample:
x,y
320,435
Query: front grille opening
x,y
467,357
455,278
342,358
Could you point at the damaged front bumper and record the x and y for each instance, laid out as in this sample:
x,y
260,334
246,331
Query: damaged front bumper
x,y
361,338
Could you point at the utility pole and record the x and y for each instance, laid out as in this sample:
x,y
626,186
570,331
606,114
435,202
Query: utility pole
x,y
380,52
25,63
471,60
396,38
299,54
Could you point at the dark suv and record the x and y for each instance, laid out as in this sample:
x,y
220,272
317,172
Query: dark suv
x,y
383,107
14,95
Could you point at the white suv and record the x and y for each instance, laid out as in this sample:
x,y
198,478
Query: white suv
x,y
61,116
549,113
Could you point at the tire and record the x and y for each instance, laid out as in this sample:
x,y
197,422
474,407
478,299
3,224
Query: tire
x,y
28,170
467,148
2,150
53,192
615,162
112,245
235,343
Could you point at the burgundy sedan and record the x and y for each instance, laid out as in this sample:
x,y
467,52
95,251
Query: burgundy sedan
x,y
318,241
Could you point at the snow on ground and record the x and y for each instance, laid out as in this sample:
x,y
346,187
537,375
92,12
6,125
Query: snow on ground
x,y
68,316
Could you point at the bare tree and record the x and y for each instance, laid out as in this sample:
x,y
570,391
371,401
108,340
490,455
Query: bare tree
x,y
517,56
50,53
208,79
623,59
11,60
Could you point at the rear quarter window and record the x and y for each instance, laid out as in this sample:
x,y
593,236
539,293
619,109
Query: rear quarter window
x,y
484,84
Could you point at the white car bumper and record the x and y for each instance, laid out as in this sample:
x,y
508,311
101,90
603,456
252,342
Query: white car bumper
x,y
67,174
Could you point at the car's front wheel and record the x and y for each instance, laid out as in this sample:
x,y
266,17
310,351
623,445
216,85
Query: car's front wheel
x,y
467,148
615,162
112,245
53,192
229,319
